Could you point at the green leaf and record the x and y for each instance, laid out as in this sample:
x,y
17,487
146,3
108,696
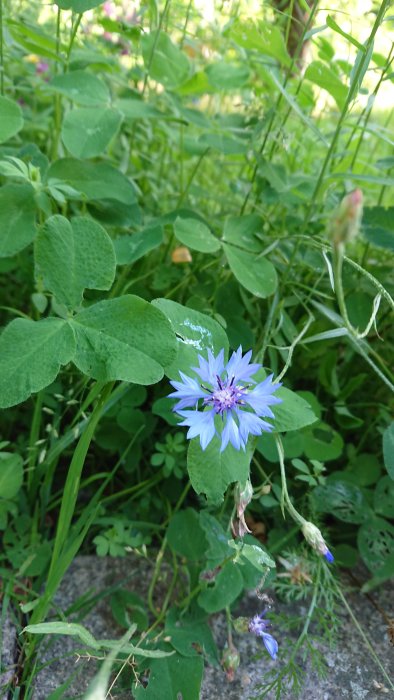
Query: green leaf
x,y
388,449
67,628
359,69
81,87
265,38
189,635
17,218
174,677
378,226
217,548
383,497
228,145
322,442
164,61
254,554
195,333
78,5
227,586
333,25
73,256
293,413
86,132
256,274
97,689
95,181
225,75
318,73
128,249
375,540
196,235
124,339
11,474
133,108
343,499
11,119
194,545
241,231
31,354
211,471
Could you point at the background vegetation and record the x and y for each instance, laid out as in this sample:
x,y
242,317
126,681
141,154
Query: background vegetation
x,y
171,176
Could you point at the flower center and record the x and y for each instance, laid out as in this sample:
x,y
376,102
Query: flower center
x,y
225,397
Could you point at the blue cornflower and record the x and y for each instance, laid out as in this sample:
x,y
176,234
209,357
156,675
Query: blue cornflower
x,y
258,626
230,392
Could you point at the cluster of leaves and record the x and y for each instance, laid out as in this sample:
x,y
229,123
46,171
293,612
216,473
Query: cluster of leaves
x,y
163,192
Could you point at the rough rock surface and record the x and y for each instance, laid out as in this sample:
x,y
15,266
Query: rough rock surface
x,y
351,671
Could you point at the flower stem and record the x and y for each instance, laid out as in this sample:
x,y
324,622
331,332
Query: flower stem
x,y
297,517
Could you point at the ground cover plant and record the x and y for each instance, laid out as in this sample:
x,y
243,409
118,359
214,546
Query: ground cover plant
x,y
196,238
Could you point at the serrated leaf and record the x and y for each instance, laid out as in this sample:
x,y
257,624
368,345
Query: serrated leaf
x,y
17,218
86,132
211,471
11,119
72,256
196,235
11,474
31,354
256,274
124,339
195,333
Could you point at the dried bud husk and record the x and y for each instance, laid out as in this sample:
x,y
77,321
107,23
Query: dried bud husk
x,y
243,493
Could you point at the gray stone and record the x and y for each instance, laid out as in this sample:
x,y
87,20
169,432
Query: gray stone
x,y
351,671
9,653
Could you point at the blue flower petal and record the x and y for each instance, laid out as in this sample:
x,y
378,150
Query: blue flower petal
x,y
270,644
329,556
210,369
231,434
250,424
260,397
200,423
239,367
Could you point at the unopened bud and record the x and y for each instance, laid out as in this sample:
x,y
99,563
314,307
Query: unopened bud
x,y
241,624
314,537
230,660
345,224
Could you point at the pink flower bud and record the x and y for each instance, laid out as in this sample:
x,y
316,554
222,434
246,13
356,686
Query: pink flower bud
x,y
345,224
